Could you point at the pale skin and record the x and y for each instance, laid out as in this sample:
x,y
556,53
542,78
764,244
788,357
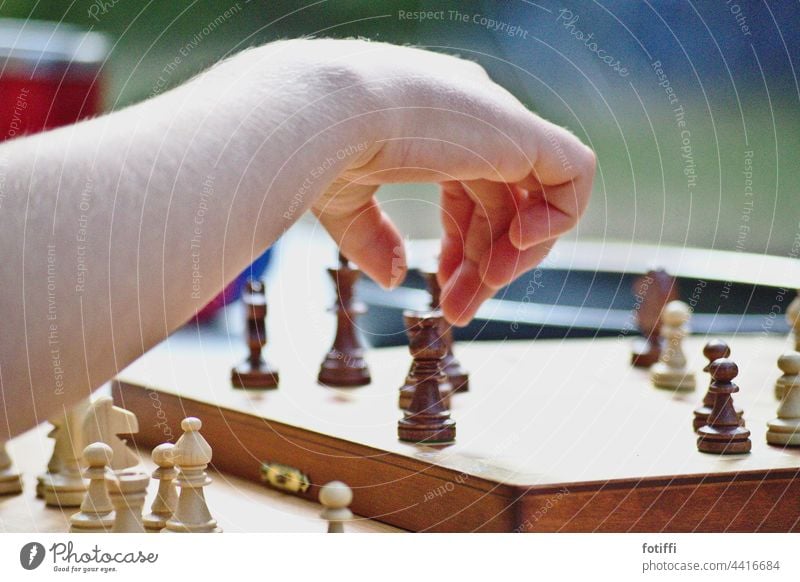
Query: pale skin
x,y
97,219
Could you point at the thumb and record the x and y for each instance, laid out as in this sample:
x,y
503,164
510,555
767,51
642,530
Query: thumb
x,y
364,233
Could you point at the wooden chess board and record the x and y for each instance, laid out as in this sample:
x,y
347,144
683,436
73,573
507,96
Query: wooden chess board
x,y
555,435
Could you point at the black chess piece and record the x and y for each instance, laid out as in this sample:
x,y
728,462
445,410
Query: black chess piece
x,y
426,420
713,350
344,364
723,435
652,291
455,372
255,371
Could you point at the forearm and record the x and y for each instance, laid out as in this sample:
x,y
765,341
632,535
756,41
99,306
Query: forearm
x,y
117,230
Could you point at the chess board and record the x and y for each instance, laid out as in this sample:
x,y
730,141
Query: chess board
x,y
554,435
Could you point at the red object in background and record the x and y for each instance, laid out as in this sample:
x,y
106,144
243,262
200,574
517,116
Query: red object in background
x,y
50,75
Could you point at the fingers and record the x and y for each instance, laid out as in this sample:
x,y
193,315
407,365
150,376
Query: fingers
x,y
558,187
457,209
549,213
478,257
464,293
471,284
495,204
505,262
366,236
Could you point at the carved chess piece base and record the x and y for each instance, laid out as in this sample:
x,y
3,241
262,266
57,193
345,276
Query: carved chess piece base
x,y
10,485
97,524
783,432
670,379
438,431
344,370
728,442
262,376
64,491
10,482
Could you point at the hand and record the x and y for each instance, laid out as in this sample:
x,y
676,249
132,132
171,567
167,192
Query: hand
x,y
511,182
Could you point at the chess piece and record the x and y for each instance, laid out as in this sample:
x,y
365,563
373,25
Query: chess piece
x,y
54,464
254,371
103,423
793,319
426,420
344,365
127,491
713,350
167,496
10,479
416,375
456,374
97,513
653,291
66,487
723,435
671,371
785,430
336,498
192,456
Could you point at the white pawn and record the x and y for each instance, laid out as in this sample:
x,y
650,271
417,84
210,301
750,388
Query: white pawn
x,y
785,430
97,513
336,498
192,456
671,371
167,496
10,479
127,492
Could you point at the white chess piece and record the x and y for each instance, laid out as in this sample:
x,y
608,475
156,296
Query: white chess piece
x,y
167,496
97,512
66,487
192,456
671,371
336,498
785,430
54,464
127,490
10,479
793,319
104,422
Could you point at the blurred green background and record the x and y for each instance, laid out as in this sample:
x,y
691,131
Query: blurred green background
x,y
731,69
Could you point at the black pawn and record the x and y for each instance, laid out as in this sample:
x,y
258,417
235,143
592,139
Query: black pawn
x,y
723,435
713,350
